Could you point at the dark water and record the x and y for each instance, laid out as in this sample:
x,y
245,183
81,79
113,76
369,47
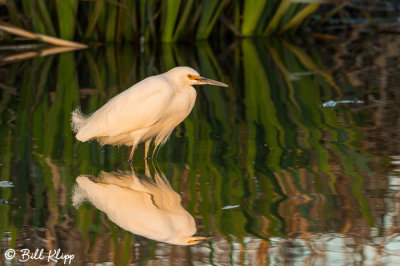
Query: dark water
x,y
297,162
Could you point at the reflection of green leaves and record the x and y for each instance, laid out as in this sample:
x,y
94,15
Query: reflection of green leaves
x,y
5,175
257,144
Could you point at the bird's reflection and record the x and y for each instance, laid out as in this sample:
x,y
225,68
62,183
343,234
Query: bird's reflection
x,y
143,205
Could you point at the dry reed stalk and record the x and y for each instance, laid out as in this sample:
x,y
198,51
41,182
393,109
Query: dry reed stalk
x,y
40,37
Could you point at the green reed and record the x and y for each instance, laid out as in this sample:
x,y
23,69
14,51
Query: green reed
x,y
157,20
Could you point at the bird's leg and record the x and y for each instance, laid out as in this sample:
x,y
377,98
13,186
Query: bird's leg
x,y
146,149
132,151
146,168
132,170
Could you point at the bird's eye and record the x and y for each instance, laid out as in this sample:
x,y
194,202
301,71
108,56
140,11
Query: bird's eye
x,y
192,77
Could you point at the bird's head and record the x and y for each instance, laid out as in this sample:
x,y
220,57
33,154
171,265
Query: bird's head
x,y
186,76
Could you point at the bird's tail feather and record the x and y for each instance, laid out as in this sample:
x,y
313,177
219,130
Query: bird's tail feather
x,y
79,194
78,119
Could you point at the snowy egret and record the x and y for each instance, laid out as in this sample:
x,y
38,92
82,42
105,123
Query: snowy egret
x,y
149,110
144,206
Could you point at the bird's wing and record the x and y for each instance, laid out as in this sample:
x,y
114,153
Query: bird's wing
x,y
138,107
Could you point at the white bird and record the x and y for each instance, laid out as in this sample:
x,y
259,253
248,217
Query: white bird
x,y
143,206
149,110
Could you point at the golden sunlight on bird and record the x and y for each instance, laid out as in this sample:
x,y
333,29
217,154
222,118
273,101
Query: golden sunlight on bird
x,y
147,111
142,205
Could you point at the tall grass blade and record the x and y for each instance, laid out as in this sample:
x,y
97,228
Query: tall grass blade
x,y
111,25
300,17
150,14
94,16
46,18
66,14
13,12
144,33
180,28
210,12
168,21
130,23
273,24
171,15
253,10
30,10
120,27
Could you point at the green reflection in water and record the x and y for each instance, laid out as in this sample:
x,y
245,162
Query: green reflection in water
x,y
264,145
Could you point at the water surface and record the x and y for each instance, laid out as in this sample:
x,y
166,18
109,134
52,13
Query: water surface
x,y
296,162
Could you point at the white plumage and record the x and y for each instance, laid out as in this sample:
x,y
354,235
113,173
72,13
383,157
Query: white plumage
x,y
144,206
149,110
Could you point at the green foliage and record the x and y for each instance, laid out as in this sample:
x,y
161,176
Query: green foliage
x,y
256,144
210,12
171,15
253,10
94,16
157,20
66,14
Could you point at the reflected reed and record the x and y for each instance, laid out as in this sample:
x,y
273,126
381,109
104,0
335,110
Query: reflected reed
x,y
299,173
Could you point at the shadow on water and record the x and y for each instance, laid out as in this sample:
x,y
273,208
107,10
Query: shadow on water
x,y
265,166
